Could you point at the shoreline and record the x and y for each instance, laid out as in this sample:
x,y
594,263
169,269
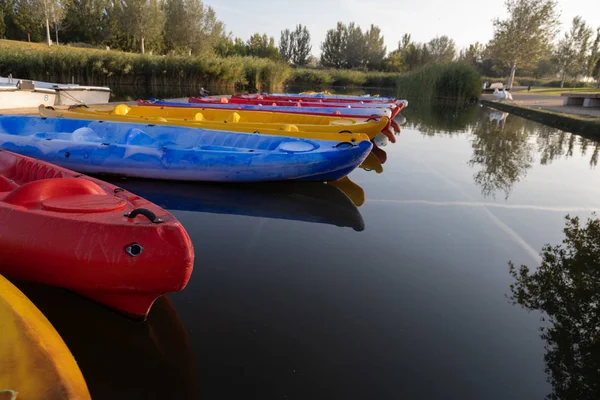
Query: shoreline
x,y
574,123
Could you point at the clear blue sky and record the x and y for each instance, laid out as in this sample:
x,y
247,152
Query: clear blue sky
x,y
465,21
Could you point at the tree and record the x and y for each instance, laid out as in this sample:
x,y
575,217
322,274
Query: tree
x,y
593,63
565,287
441,49
301,46
374,48
472,55
355,46
571,52
333,49
286,45
144,20
525,36
262,46
192,27
57,16
89,21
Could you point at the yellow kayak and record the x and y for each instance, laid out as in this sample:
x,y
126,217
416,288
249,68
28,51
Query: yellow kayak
x,y
35,363
308,126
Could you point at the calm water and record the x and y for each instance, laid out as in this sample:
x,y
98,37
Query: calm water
x,y
298,293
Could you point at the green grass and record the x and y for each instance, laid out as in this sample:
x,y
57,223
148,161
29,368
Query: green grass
x,y
558,91
451,81
113,68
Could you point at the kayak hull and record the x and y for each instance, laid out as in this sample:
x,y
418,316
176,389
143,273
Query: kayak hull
x,y
64,229
36,363
173,153
324,111
228,121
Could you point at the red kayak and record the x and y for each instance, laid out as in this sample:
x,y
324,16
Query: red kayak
x,y
366,100
395,108
61,228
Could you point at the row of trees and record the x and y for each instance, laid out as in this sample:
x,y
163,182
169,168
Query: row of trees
x,y
347,46
524,40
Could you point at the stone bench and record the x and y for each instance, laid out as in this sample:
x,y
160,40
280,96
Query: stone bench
x,y
582,99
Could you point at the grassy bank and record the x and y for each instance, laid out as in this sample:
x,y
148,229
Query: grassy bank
x,y
452,81
341,77
589,127
112,68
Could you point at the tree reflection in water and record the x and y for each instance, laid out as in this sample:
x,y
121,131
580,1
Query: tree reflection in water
x,y
504,147
566,287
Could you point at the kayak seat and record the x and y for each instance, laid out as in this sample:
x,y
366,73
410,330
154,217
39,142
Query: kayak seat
x,y
32,194
7,185
137,137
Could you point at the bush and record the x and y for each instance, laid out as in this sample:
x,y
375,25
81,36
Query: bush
x,y
341,77
113,68
455,81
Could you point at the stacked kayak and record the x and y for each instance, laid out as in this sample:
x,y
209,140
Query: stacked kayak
x,y
65,229
308,126
346,112
35,362
177,153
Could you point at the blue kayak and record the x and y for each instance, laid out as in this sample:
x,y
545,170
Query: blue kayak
x,y
177,153
347,112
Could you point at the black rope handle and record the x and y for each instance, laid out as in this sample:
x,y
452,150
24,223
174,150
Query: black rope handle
x,y
346,131
146,213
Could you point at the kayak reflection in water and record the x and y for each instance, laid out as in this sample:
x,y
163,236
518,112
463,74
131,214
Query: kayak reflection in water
x,y
300,201
147,360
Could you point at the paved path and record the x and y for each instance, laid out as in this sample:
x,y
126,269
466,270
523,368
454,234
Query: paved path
x,y
548,102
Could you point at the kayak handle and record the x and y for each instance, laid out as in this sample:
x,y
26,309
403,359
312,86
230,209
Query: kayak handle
x,y
346,131
345,144
373,119
146,213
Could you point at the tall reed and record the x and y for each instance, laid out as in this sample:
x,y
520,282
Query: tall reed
x,y
450,81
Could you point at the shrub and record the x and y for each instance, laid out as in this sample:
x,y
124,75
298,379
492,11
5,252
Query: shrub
x,y
456,81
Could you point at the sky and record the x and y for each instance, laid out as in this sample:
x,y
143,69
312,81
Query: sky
x,y
465,21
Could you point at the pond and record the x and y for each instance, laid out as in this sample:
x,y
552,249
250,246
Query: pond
x,y
392,285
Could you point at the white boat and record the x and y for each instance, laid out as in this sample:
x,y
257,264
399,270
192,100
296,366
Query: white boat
x,y
71,94
24,94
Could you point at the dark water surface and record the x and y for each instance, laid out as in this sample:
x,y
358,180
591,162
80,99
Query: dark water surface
x,y
298,293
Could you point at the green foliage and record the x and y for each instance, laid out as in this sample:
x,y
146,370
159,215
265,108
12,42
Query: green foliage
x,y
144,21
455,80
566,288
571,53
440,49
334,47
191,27
342,77
525,36
114,68
286,45
301,46
262,46
348,47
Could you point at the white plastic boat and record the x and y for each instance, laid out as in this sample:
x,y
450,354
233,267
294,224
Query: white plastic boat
x,y
24,94
70,94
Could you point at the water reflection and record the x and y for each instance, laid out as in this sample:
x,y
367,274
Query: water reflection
x,y
504,147
501,151
566,288
119,357
300,201
433,118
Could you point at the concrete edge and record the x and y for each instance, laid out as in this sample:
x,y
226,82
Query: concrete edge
x,y
567,122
